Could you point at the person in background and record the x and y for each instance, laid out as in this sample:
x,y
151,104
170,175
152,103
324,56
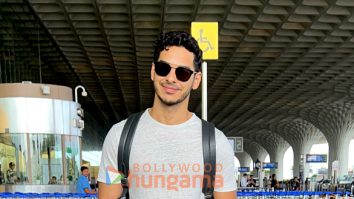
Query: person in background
x,y
265,182
83,185
2,178
269,182
274,182
244,180
60,181
295,183
307,184
53,180
251,182
10,174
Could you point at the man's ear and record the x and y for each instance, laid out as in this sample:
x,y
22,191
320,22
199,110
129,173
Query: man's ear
x,y
197,80
152,72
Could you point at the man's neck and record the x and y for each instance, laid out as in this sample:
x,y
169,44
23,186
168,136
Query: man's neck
x,y
170,115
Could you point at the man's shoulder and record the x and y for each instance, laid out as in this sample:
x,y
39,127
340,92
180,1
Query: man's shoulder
x,y
220,136
119,125
82,178
116,129
115,132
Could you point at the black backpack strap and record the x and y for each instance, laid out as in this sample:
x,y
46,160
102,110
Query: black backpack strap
x,y
125,144
209,154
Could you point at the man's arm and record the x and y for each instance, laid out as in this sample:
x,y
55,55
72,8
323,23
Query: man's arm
x,y
112,191
225,195
86,190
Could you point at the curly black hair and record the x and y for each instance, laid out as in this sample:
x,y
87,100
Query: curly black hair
x,y
179,38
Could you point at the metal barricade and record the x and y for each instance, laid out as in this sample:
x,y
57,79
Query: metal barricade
x,y
18,195
257,194
243,194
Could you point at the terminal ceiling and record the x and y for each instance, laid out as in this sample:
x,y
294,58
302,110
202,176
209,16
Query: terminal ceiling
x,y
282,63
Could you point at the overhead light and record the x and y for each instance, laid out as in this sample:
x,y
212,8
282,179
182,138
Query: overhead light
x,y
83,93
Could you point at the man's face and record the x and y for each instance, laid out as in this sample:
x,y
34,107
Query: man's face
x,y
85,172
169,89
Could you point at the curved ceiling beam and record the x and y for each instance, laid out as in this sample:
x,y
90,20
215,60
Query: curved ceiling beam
x,y
260,113
330,118
297,131
271,142
255,150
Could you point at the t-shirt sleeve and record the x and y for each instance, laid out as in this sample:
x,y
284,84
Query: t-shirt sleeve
x,y
108,171
85,184
225,179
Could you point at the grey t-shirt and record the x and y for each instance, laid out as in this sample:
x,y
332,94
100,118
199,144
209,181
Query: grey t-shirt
x,y
166,161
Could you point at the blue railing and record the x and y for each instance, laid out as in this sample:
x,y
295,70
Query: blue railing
x,y
9,195
255,194
246,194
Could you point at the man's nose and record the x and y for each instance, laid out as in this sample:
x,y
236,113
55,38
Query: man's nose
x,y
171,76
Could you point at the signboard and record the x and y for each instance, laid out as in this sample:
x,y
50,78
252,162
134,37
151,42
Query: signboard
x,y
270,165
243,169
206,33
236,143
316,158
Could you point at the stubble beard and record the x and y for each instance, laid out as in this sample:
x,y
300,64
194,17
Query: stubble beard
x,y
171,102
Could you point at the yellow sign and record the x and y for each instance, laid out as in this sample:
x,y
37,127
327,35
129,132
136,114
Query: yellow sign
x,y
206,33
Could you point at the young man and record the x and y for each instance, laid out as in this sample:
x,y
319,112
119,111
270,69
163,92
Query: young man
x,y
10,174
53,180
166,159
244,180
296,183
274,184
251,182
2,179
83,185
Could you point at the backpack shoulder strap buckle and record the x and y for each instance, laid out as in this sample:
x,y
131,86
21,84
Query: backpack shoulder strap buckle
x,y
208,195
124,182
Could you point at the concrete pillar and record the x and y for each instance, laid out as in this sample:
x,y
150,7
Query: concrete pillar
x,y
338,146
255,150
300,134
276,147
278,156
298,151
337,124
244,158
273,144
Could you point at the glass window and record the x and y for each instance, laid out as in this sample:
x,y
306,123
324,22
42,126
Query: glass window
x,y
13,158
46,156
72,156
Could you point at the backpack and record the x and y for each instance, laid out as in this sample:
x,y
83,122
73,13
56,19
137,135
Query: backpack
x,y
209,153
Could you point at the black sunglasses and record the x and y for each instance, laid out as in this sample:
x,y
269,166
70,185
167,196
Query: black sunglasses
x,y
182,73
